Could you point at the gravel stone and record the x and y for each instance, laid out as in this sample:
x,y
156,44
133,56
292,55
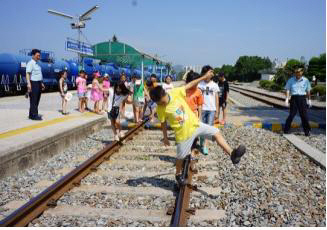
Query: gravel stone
x,y
274,184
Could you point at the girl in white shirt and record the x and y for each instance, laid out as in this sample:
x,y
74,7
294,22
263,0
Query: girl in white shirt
x,y
119,98
168,85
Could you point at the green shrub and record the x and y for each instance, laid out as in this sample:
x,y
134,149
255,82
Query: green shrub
x,y
270,85
264,83
275,87
321,89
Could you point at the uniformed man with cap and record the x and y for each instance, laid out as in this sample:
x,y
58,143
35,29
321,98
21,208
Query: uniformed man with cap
x,y
298,87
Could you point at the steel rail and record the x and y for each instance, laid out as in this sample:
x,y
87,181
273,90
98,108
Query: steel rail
x,y
48,197
279,98
182,212
277,103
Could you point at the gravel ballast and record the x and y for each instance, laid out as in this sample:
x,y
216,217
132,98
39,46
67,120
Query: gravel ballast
x,y
274,184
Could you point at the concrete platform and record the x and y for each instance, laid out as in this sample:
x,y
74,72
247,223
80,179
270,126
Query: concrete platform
x,y
313,153
25,142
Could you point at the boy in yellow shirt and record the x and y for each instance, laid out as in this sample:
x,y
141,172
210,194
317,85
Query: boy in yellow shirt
x,y
174,108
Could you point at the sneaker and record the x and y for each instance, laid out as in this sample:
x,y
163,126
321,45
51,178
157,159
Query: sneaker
x,y
205,151
116,138
307,134
201,141
237,154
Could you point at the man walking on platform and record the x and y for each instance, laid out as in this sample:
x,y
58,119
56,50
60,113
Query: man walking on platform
x,y
35,84
299,87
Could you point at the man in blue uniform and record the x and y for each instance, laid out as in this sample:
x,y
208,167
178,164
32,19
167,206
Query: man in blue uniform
x,y
35,84
299,87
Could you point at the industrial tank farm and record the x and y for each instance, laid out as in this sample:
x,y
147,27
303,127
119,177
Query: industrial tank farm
x,y
13,71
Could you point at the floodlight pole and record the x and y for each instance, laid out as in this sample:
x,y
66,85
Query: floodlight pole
x,y
161,72
79,44
142,67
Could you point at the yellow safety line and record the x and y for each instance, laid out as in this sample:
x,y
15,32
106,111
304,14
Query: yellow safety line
x,y
41,125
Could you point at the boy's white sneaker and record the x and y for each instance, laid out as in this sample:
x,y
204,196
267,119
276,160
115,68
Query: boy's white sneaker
x,y
116,138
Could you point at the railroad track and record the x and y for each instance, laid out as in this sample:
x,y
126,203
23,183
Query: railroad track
x,y
315,113
128,183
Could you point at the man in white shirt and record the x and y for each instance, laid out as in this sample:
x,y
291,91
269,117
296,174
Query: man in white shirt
x,y
35,84
210,92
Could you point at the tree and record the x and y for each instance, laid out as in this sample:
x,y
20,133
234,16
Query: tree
x,y
281,77
317,67
291,65
114,38
248,67
169,66
229,71
283,74
180,75
216,70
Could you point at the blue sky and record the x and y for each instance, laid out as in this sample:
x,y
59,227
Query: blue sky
x,y
187,32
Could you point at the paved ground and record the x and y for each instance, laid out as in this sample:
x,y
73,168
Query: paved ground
x,y
256,88
238,114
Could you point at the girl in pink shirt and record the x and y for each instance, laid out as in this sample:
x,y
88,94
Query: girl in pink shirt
x,y
96,92
105,86
81,90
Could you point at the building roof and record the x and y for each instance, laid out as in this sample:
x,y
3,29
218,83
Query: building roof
x,y
123,54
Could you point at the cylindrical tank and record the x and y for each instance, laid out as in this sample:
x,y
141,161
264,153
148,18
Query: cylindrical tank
x,y
12,65
73,67
137,72
147,74
88,68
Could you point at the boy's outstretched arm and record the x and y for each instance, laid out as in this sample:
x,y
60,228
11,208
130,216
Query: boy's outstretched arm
x,y
164,131
208,75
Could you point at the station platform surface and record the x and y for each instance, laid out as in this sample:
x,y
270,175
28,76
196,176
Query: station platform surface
x,y
22,139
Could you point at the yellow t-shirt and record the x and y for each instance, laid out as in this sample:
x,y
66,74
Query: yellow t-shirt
x,y
179,115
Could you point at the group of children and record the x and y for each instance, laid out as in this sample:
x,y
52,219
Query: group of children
x,y
136,93
96,92
190,110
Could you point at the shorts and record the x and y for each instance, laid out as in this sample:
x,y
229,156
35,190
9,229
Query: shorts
x,y
222,102
81,95
114,113
138,103
208,117
184,148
